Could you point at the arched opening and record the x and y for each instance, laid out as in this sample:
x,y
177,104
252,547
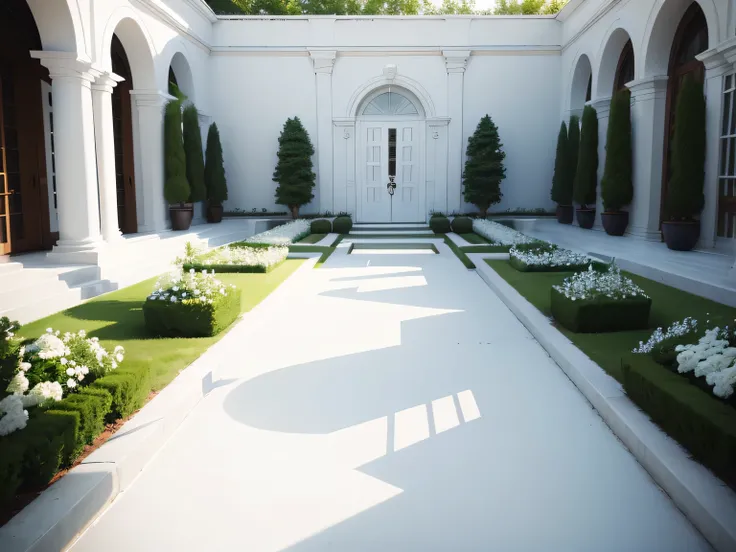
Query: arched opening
x,y
122,120
625,69
25,98
582,85
617,66
180,74
391,131
691,39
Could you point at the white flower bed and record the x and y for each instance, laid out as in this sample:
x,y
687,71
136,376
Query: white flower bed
x,y
189,288
498,233
245,256
676,329
12,415
593,285
549,256
284,234
713,358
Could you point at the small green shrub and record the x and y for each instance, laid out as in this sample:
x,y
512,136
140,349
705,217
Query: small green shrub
x,y
67,424
484,168
342,224
601,314
586,175
193,154
560,191
439,224
321,226
129,388
181,319
704,425
93,405
214,168
462,225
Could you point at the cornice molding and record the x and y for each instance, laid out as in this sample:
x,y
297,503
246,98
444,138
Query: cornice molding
x,y
166,17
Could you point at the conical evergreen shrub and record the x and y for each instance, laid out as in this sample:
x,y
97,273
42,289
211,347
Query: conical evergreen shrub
x,y
194,154
617,189
293,172
573,151
684,199
586,176
484,169
176,185
560,167
214,168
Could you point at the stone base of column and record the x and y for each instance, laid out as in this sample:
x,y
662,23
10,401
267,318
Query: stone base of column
x,y
76,252
644,233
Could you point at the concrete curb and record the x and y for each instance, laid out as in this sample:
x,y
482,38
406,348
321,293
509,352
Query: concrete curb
x,y
706,501
54,520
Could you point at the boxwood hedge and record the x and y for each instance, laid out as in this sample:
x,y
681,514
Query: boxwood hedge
x,y
194,319
600,315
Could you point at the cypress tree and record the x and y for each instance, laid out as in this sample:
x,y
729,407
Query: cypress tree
x,y
293,172
176,185
484,168
573,151
617,189
684,199
586,176
560,165
194,154
214,168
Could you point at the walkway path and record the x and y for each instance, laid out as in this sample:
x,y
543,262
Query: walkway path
x,y
390,402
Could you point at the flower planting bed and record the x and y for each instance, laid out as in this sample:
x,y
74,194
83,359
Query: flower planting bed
x,y
56,431
283,235
699,420
191,304
238,257
500,234
547,257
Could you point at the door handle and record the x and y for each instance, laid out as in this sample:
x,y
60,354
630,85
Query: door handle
x,y
391,186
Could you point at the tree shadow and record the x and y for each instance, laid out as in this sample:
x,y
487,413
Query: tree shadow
x,y
125,319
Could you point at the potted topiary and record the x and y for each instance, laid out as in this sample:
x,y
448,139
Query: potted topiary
x,y
294,173
214,175
617,189
176,185
484,170
684,199
194,154
586,175
560,193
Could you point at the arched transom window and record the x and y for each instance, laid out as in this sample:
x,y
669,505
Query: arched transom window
x,y
390,103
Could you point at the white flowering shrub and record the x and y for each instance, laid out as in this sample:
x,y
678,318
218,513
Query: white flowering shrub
x,y
499,234
285,234
676,329
546,257
189,287
723,382
240,257
12,415
592,284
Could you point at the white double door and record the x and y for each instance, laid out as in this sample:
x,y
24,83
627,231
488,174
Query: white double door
x,y
391,154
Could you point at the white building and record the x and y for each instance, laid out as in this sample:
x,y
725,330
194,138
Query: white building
x,y
84,83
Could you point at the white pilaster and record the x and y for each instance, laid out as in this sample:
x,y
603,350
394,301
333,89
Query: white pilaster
x,y
648,99
76,167
150,105
344,166
455,63
324,61
105,142
437,164
602,108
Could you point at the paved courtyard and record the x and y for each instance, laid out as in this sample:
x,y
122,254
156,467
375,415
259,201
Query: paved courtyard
x,y
390,402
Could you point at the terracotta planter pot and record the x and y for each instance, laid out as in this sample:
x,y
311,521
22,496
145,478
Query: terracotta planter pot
x,y
181,216
615,223
214,213
586,218
681,236
565,214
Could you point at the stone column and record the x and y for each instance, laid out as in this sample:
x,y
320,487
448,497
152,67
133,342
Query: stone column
x,y
76,167
105,142
150,106
455,64
648,99
324,61
602,108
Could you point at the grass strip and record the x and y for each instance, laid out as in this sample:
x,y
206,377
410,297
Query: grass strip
x,y
474,238
485,249
312,238
459,253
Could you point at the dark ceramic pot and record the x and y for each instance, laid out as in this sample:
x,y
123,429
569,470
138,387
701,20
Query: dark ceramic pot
x,y
214,213
181,216
615,223
681,236
565,214
586,218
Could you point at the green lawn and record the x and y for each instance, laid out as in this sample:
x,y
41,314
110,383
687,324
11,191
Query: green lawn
x,y
312,238
474,238
326,251
117,319
609,349
490,248
459,253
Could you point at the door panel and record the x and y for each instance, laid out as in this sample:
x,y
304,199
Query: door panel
x,y
406,199
375,200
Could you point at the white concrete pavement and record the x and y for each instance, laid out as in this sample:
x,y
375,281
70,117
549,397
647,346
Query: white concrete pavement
x,y
390,402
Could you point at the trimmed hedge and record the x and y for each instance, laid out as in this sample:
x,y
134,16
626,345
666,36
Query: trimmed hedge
x,y
92,404
342,225
462,225
231,268
167,319
545,247
128,387
321,226
601,314
439,224
707,428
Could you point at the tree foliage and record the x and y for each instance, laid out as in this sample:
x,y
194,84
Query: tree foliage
x,y
194,154
176,185
586,175
484,168
559,176
684,199
214,168
294,168
617,188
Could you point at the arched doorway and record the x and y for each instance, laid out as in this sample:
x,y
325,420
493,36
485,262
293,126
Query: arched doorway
x,y
625,69
390,128
24,199
691,39
122,119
